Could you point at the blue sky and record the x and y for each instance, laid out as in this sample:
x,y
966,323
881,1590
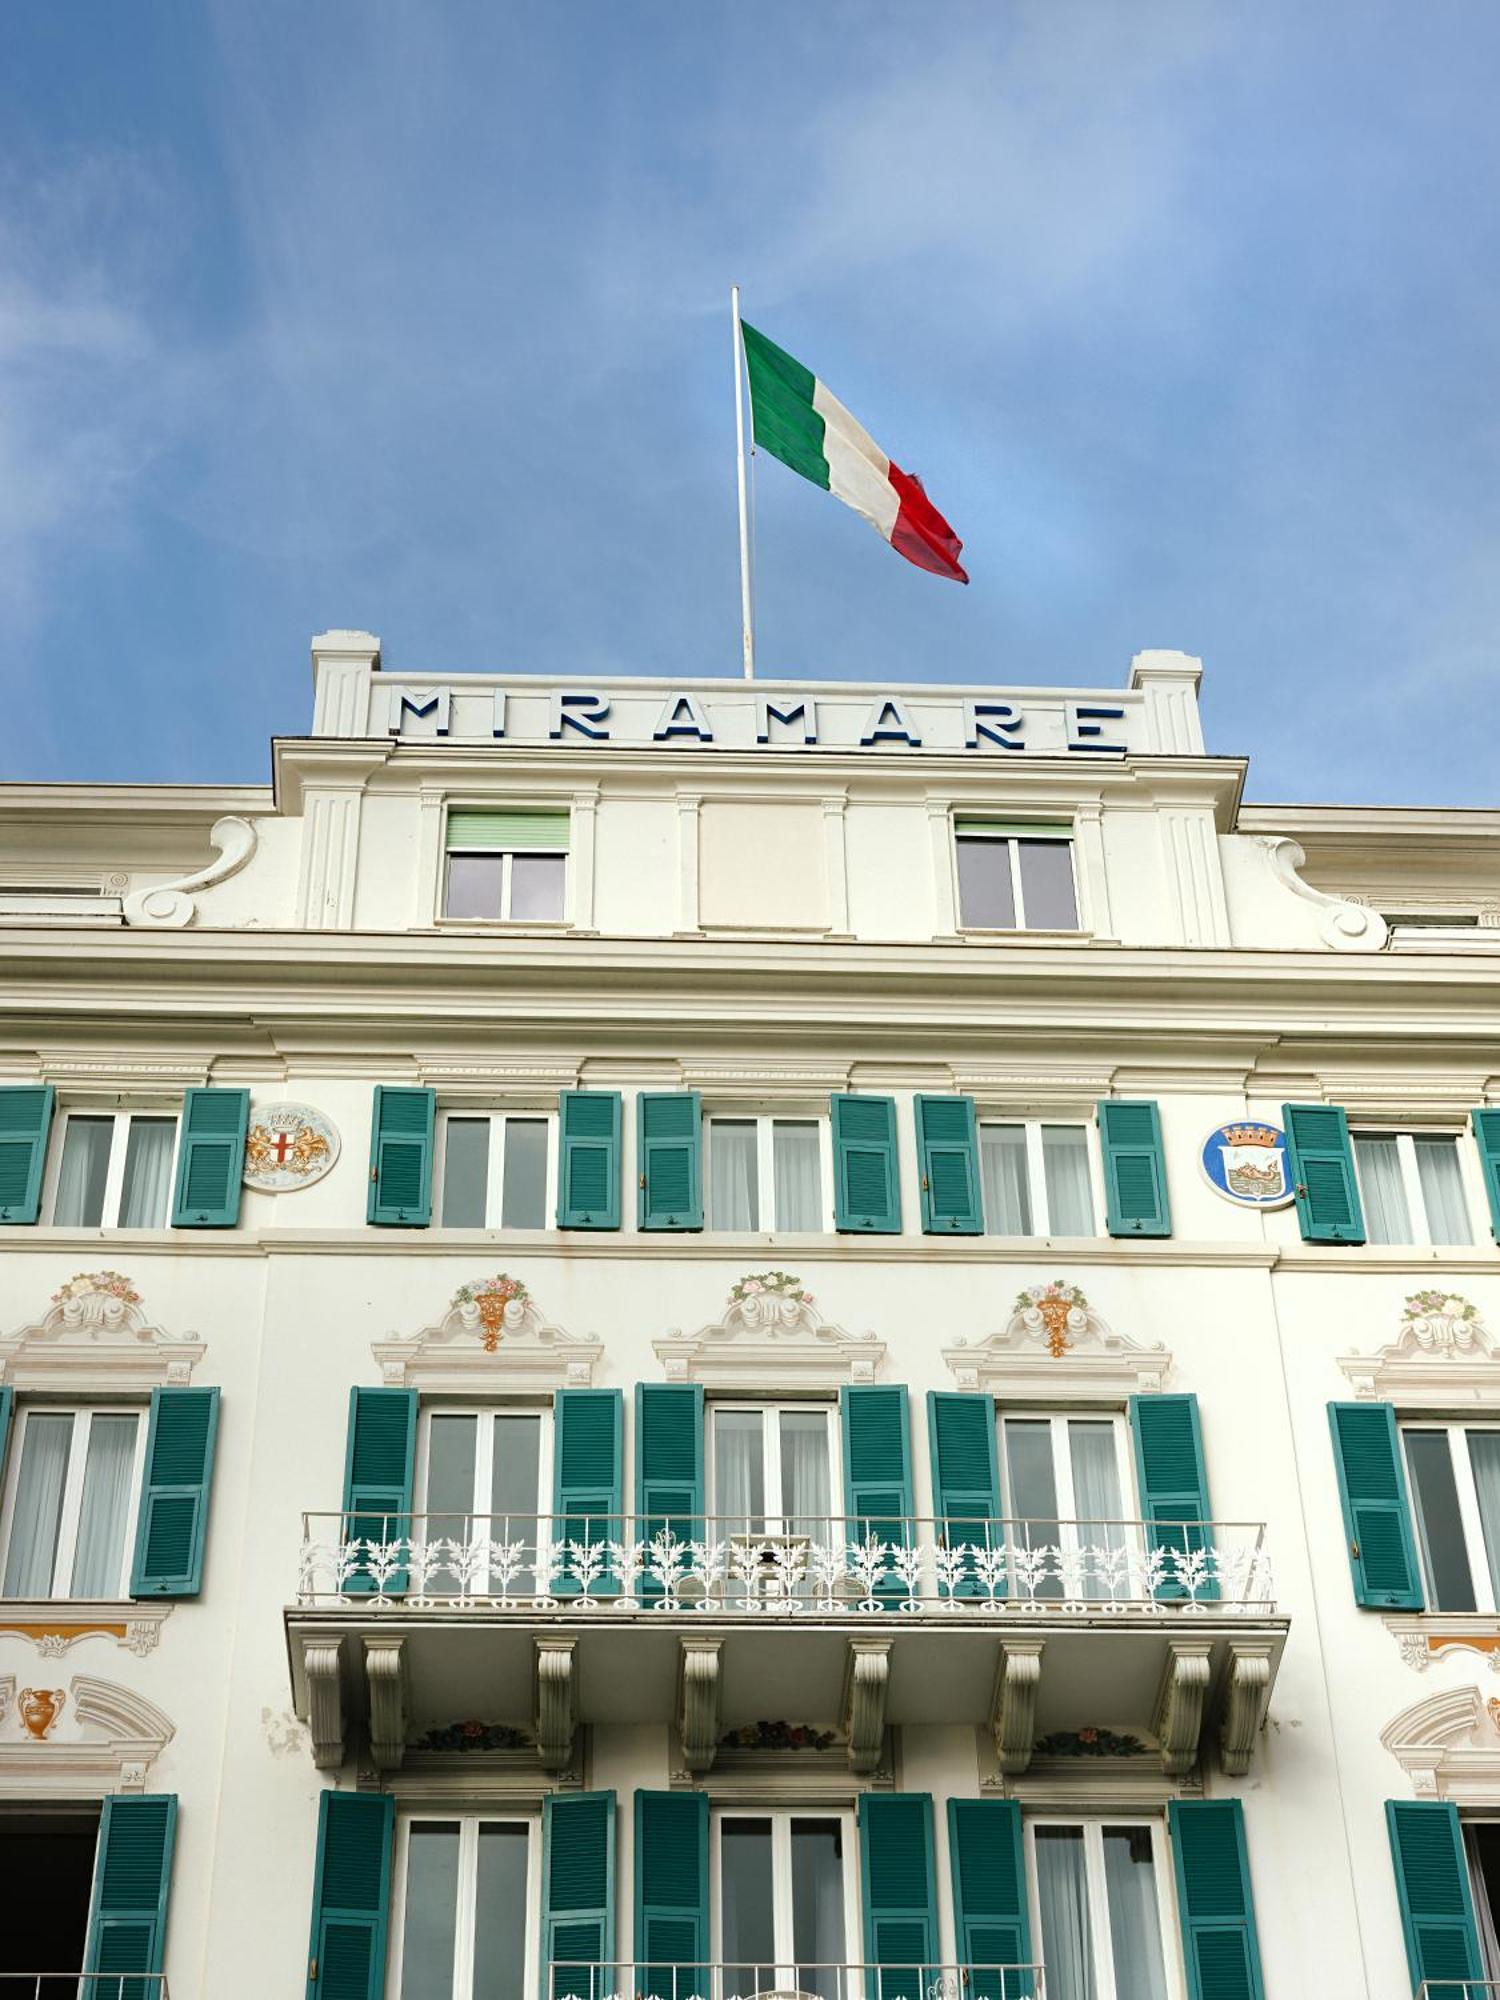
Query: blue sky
x,y
412,316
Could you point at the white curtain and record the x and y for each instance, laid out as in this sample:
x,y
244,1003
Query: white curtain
x,y
1007,1190
38,1509
1065,1161
739,1472
1134,1914
1484,1459
148,1173
796,1171
1096,1492
1443,1191
805,1501
1062,1892
733,1202
82,1173
1379,1163
107,1468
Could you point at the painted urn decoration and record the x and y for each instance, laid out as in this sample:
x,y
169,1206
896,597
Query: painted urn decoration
x,y
1442,1322
770,1299
98,1300
39,1709
494,1305
1059,1310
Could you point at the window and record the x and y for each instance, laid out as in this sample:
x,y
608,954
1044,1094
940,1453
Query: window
x,y
784,1901
463,1898
1099,1889
496,1171
1064,1482
1412,1187
766,1173
115,1170
1015,877
482,1475
1455,1484
771,1468
507,867
1037,1179
70,1511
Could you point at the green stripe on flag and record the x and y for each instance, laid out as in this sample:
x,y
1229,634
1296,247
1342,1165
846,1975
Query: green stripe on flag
x,y
781,405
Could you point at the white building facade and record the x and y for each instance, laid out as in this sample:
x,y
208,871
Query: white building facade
x,y
711,1339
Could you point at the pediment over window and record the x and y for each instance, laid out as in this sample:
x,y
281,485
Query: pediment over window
x,y
1449,1746
770,1331
493,1337
95,1337
1443,1354
89,1736
1056,1343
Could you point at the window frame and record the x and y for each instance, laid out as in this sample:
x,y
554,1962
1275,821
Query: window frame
x,y
763,1406
1411,1181
466,1901
119,1147
1470,1518
1093,1826
1036,1172
1064,832
507,855
429,1407
765,1123
782,1909
66,1553
494,1185
1058,1419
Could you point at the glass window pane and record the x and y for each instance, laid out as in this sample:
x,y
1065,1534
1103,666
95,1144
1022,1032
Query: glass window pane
x,y
99,1557
747,1915
1379,1164
1047,899
466,1166
1442,1189
82,1172
986,900
1484,1461
147,1187
1063,1897
32,1555
797,1172
516,1477
452,1444
1439,1523
806,1492
1031,1481
536,887
1007,1181
1095,1465
474,885
1134,1914
1065,1163
500,1954
739,1469
818,1935
524,1198
429,1922
733,1174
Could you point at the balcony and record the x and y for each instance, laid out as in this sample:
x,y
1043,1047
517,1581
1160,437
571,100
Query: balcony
x,y
83,1986
1459,1989
406,1624
631,1980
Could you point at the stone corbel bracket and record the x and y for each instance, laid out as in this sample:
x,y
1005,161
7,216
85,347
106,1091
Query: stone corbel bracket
x,y
1178,1721
1343,923
1247,1696
556,1706
386,1677
169,906
1018,1680
867,1676
322,1671
698,1694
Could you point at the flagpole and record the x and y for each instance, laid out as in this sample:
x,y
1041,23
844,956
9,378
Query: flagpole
x,y
747,616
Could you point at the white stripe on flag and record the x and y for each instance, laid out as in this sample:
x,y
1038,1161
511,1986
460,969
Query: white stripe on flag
x,y
858,470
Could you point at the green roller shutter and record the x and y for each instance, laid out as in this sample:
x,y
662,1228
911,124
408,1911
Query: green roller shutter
x,y
1377,1508
1135,1168
578,1893
668,1462
172,1523
1486,1137
948,1150
132,1875
671,1894
588,1169
506,832
401,1157
867,1187
1321,1162
965,1477
379,1460
588,1498
1173,1483
990,1917
25,1120
668,1142
351,1896
210,1159
1214,1903
899,1887
1432,1882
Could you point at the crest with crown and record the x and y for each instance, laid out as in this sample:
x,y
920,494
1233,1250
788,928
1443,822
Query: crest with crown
x,y
1252,1159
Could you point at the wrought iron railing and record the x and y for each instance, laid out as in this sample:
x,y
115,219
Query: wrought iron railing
x,y
830,1566
1459,1989
83,1986
634,1980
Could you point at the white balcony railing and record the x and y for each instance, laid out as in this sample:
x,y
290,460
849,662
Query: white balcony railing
x,y
83,1986
1459,1989
830,1567
632,1980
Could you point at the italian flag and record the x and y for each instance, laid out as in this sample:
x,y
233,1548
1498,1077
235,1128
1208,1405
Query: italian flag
x,y
800,421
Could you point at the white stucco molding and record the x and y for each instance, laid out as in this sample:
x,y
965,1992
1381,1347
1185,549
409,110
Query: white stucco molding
x,y
489,1342
770,1331
1449,1746
1056,1343
95,1336
1427,1636
169,906
102,1737
53,1625
1443,1354
1345,923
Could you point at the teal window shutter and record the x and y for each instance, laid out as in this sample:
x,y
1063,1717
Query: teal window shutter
x,y
172,1523
401,1157
1135,1168
1214,1903
132,1875
588,1168
210,1159
588,1498
669,1152
965,1476
899,1890
1377,1508
7,1412
876,1428
1321,1161
25,1121
669,1460
867,1186
1173,1484
990,1917
671,1893
948,1151
578,1890
1432,1883
379,1463
1486,1137
351,1896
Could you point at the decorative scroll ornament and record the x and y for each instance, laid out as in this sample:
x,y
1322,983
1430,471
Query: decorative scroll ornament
x,y
94,1333
492,1304
1344,923
170,906
1442,1349
288,1146
770,1322
489,1316
93,1736
1446,1744
1053,1331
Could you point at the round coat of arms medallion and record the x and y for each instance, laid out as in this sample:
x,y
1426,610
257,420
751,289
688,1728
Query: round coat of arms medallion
x,y
288,1146
1246,1163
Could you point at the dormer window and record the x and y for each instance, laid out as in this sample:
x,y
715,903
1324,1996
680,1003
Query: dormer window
x,y
506,867
1015,876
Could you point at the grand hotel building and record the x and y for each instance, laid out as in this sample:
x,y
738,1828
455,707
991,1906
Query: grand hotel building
x,y
708,1339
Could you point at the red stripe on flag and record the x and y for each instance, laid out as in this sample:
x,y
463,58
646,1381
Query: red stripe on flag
x,y
921,534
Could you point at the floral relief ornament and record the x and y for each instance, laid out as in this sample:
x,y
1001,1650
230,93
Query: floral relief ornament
x,y
1442,1322
493,1304
766,1298
96,1299
1060,1310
